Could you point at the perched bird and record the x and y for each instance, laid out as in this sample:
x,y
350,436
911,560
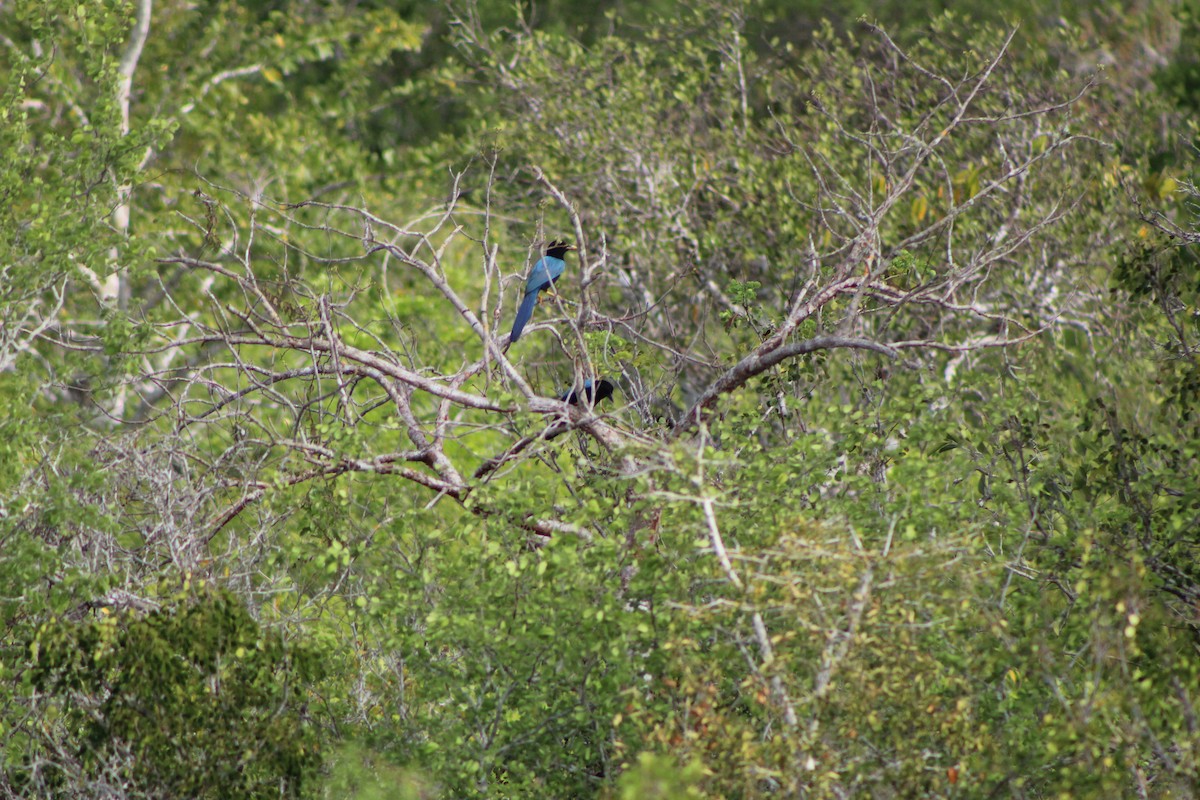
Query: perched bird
x,y
603,389
545,272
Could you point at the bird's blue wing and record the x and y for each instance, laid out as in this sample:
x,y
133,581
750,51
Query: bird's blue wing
x,y
544,272
524,312
555,266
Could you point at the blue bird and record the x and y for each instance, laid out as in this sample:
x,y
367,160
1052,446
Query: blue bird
x,y
603,390
545,272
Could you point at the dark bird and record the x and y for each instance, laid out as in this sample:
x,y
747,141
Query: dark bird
x,y
545,272
603,390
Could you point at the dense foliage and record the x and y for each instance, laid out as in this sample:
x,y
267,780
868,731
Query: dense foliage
x,y
898,495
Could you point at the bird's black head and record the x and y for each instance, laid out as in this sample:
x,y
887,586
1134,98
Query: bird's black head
x,y
557,249
604,389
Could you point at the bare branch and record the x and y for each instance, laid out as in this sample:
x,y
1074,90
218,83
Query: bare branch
x,y
762,359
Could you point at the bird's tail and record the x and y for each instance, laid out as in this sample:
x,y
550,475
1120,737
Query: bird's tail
x,y
524,312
